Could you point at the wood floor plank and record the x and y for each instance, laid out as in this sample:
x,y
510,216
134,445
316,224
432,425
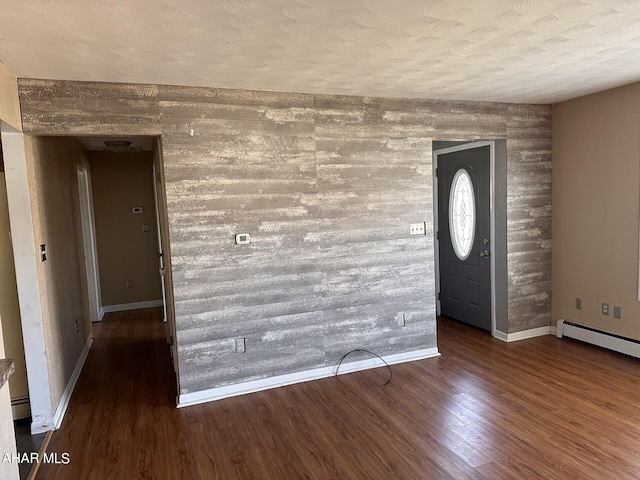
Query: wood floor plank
x,y
484,410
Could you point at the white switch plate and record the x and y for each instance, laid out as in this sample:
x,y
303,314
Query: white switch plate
x,y
417,228
240,346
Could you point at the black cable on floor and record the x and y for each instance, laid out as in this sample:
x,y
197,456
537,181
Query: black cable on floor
x,y
366,351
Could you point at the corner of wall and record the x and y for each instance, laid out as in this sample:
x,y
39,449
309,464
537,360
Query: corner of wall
x,y
9,98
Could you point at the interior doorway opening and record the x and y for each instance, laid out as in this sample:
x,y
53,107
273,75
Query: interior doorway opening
x,y
470,237
51,203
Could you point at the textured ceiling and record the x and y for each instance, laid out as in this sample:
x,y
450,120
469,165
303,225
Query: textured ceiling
x,y
539,51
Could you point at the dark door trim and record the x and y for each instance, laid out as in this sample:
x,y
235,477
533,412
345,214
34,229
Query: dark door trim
x,y
498,236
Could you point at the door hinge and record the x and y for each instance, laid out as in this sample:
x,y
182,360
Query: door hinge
x,y
438,295
438,235
436,173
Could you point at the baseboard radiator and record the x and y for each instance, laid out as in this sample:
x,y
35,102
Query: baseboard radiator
x,y
610,341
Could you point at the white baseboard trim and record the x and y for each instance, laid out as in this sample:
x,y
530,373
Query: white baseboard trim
x,y
209,395
122,307
523,334
500,335
101,313
553,330
66,395
42,426
20,408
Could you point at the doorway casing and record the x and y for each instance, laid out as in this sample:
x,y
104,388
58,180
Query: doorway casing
x,y
89,243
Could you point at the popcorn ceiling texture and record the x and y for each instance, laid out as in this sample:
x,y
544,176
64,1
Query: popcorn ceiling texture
x,y
523,51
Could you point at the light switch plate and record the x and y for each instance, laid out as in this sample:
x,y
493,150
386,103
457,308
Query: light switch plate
x,y
417,228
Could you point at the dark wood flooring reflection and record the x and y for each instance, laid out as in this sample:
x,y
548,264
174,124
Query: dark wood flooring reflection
x,y
539,408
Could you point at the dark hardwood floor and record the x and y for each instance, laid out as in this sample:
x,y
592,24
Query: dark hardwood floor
x,y
539,408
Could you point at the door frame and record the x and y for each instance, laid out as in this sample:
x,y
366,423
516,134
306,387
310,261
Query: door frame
x,y
494,252
160,242
87,222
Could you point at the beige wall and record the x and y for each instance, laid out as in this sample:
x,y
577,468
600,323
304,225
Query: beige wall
x,y
9,307
121,181
9,102
596,173
51,166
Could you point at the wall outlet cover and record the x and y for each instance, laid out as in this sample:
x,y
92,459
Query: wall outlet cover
x,y
617,312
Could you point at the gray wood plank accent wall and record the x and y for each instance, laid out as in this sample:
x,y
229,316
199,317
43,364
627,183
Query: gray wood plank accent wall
x,y
529,216
326,186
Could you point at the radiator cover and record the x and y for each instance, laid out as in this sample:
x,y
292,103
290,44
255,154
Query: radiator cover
x,y
628,346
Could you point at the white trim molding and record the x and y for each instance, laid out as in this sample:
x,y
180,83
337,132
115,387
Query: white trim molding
x,y
122,307
24,248
212,394
500,335
66,395
55,422
523,334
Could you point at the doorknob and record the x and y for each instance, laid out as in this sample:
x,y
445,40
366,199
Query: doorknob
x,y
484,253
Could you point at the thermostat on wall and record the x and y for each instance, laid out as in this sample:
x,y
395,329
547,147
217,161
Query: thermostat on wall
x,y
243,238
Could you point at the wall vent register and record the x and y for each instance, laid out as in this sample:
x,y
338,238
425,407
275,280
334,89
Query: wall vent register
x,y
462,214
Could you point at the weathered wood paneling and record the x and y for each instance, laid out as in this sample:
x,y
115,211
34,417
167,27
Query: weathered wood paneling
x,y
529,216
88,108
327,186
374,179
249,167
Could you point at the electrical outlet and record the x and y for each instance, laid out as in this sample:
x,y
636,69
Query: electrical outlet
x,y
77,327
617,312
145,227
605,309
240,345
578,303
402,319
129,284
43,253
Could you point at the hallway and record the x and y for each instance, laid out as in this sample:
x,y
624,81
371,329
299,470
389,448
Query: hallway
x,y
122,413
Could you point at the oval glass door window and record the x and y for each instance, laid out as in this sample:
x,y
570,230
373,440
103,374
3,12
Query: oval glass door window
x,y
462,214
